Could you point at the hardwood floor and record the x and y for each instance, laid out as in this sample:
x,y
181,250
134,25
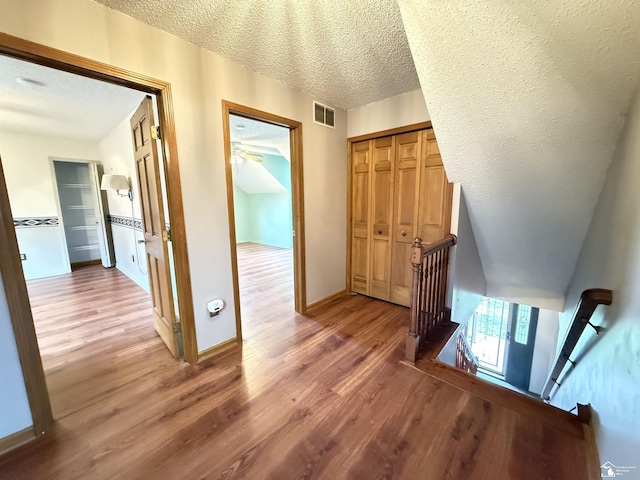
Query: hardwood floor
x,y
323,396
266,281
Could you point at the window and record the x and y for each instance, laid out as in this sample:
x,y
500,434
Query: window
x,y
521,335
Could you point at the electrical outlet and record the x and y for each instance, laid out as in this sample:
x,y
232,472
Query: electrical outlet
x,y
23,256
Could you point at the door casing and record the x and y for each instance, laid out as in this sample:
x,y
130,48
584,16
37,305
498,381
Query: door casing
x,y
10,267
297,196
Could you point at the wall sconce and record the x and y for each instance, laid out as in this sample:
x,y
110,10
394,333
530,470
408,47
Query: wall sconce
x,y
117,183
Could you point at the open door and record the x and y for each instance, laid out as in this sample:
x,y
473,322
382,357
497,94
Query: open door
x,y
521,338
156,234
105,239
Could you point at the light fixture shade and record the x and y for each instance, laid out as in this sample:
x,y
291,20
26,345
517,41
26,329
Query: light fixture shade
x,y
114,182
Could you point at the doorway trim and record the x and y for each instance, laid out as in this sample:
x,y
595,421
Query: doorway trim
x,y
10,267
297,202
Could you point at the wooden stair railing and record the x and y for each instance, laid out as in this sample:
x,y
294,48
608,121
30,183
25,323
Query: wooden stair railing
x,y
430,265
589,300
465,359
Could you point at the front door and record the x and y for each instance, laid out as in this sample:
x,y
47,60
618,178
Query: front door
x,y
521,337
156,234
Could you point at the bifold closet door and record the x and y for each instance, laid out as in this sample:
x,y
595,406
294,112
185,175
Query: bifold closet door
x,y
434,204
399,191
360,216
382,172
405,216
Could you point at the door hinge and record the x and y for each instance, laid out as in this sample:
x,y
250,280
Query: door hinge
x,y
166,235
155,132
177,328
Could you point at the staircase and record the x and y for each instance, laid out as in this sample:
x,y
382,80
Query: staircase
x,y
430,329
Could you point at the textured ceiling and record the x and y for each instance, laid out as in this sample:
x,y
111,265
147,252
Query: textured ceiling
x,y
527,100
345,53
61,104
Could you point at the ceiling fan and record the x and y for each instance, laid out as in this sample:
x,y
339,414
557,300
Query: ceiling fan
x,y
240,153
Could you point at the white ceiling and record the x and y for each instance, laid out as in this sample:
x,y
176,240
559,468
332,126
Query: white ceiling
x,y
263,137
61,104
345,53
527,100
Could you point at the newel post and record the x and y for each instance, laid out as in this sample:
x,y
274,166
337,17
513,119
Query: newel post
x,y
413,337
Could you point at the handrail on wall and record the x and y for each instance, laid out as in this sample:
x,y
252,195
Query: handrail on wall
x,y
589,300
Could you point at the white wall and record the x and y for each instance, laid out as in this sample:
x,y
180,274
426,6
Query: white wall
x,y
15,414
468,283
393,112
31,187
448,353
607,373
200,80
116,154
544,349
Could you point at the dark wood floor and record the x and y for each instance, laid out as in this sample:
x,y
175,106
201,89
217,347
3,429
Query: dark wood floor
x,y
323,396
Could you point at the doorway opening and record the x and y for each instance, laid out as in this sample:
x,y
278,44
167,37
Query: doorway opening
x,y
11,266
502,337
266,215
86,232
89,310
261,171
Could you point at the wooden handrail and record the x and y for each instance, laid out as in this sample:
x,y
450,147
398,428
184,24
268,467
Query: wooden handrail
x,y
589,300
430,248
430,266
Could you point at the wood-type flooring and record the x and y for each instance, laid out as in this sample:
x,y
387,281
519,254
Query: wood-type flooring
x,y
323,396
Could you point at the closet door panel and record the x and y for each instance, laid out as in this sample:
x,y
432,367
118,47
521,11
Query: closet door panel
x,y
382,202
407,173
435,194
360,217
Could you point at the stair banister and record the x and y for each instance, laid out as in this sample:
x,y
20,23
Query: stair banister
x,y
430,266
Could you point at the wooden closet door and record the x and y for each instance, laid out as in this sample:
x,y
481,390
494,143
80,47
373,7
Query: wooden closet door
x,y
434,204
405,215
382,211
360,216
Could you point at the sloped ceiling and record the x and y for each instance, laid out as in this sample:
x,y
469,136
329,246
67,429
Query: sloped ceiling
x,y
252,177
527,100
345,53
259,138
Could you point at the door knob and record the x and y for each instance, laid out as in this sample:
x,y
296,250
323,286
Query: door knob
x,y
379,232
404,234
142,241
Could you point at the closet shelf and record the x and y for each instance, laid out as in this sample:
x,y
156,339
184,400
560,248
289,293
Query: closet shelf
x,y
85,247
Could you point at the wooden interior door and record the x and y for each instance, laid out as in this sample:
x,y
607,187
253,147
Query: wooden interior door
x,y
153,224
434,204
405,217
382,211
360,217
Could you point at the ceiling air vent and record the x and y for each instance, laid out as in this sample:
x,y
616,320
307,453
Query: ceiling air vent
x,y
324,115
